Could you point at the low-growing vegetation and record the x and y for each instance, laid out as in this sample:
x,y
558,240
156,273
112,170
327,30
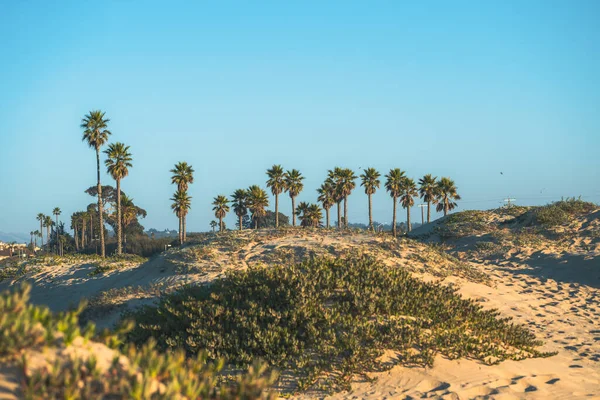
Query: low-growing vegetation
x,y
562,212
29,333
325,320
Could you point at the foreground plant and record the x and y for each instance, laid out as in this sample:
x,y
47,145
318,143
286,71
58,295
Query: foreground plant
x,y
93,371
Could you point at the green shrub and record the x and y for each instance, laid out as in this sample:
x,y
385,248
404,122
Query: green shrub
x,y
328,319
562,212
136,373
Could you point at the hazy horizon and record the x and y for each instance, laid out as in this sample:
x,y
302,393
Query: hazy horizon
x,y
503,97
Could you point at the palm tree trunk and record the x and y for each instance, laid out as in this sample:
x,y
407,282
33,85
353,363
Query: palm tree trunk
x,y
445,207
91,228
240,217
327,217
428,211
277,211
76,238
345,211
184,227
408,228
83,225
100,211
255,223
394,218
220,224
370,213
180,230
293,211
41,234
339,214
119,220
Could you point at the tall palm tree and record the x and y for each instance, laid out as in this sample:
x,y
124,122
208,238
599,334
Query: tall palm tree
x,y
446,195
221,208
428,191
293,185
347,185
117,165
327,198
370,181
181,205
240,207
407,194
84,218
31,233
95,134
336,177
48,224
41,217
257,201
393,185
92,210
75,221
56,211
213,225
183,176
276,183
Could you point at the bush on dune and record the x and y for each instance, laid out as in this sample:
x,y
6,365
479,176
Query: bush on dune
x,y
562,212
326,320
28,332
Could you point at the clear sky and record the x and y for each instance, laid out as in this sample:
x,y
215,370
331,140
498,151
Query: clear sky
x,y
465,89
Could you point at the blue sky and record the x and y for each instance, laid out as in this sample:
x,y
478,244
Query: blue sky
x,y
460,89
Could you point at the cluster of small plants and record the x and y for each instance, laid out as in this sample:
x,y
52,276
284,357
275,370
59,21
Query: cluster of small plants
x,y
465,223
139,372
103,265
562,212
326,320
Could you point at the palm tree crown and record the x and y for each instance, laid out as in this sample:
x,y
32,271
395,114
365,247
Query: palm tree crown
x,y
183,175
293,182
394,180
428,192
240,208
95,129
370,180
181,203
118,161
276,180
446,195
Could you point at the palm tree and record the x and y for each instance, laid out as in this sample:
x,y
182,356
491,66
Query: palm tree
x,y
95,133
335,178
301,213
56,213
239,205
327,198
446,195
221,209
408,192
370,181
75,221
92,209
117,165
347,185
181,205
213,225
48,224
293,185
393,185
183,176
428,191
41,217
36,234
315,215
31,233
257,201
276,183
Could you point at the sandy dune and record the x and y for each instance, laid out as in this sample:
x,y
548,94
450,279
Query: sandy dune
x,y
555,292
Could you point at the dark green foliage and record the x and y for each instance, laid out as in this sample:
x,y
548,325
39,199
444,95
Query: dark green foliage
x,y
268,221
327,320
461,224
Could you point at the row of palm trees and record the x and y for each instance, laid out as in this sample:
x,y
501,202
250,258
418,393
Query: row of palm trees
x,y
336,188
45,222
